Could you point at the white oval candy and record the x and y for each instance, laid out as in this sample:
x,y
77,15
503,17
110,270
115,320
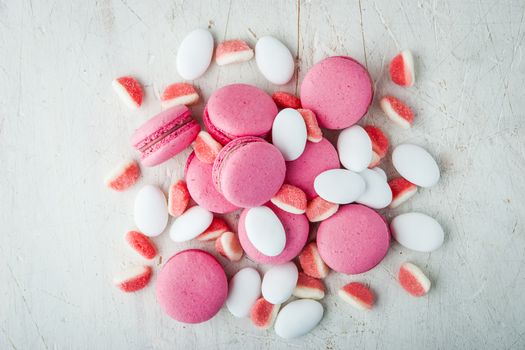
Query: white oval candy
x,y
279,283
378,194
339,186
380,172
274,60
151,211
298,318
265,231
194,55
243,291
355,148
289,133
417,231
189,225
416,165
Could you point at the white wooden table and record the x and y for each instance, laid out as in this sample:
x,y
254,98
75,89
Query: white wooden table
x,y
62,129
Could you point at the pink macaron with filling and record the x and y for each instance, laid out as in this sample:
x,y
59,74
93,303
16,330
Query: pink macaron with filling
x,y
296,228
239,110
165,135
316,158
192,286
339,91
200,185
353,240
248,171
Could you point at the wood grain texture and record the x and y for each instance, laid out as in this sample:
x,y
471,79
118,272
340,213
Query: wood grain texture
x,y
62,129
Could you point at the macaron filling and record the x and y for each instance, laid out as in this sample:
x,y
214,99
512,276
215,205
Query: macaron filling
x,y
164,135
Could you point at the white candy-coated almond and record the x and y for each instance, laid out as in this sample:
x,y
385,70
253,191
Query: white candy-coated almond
x,y
339,186
279,283
298,318
378,194
194,54
417,231
151,211
190,224
289,133
274,60
265,231
355,148
416,165
243,291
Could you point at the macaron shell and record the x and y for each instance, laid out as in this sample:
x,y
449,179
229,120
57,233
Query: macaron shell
x,y
357,247
201,188
174,114
191,286
249,171
240,110
316,158
171,145
339,91
296,228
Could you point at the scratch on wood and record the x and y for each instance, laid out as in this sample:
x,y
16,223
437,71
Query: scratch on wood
x,y
298,43
363,33
28,309
134,13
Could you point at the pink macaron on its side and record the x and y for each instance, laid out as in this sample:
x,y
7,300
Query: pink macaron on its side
x,y
339,91
248,171
191,286
353,240
165,135
296,228
316,158
239,110
200,186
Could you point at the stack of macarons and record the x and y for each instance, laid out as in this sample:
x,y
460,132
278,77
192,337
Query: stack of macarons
x,y
264,157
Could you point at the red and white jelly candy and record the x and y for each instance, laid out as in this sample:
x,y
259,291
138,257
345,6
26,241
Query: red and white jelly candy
x,y
179,94
379,144
402,69
319,209
134,278
217,227
309,288
228,245
397,111
232,51
124,176
263,313
206,148
358,295
402,190
290,199
286,100
129,90
413,280
315,134
178,198
311,262
141,244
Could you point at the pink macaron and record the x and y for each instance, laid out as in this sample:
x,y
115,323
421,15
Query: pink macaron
x,y
165,135
239,110
353,240
339,91
316,158
248,171
200,185
192,286
296,228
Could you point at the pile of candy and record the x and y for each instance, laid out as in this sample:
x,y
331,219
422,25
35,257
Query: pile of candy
x,y
266,155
